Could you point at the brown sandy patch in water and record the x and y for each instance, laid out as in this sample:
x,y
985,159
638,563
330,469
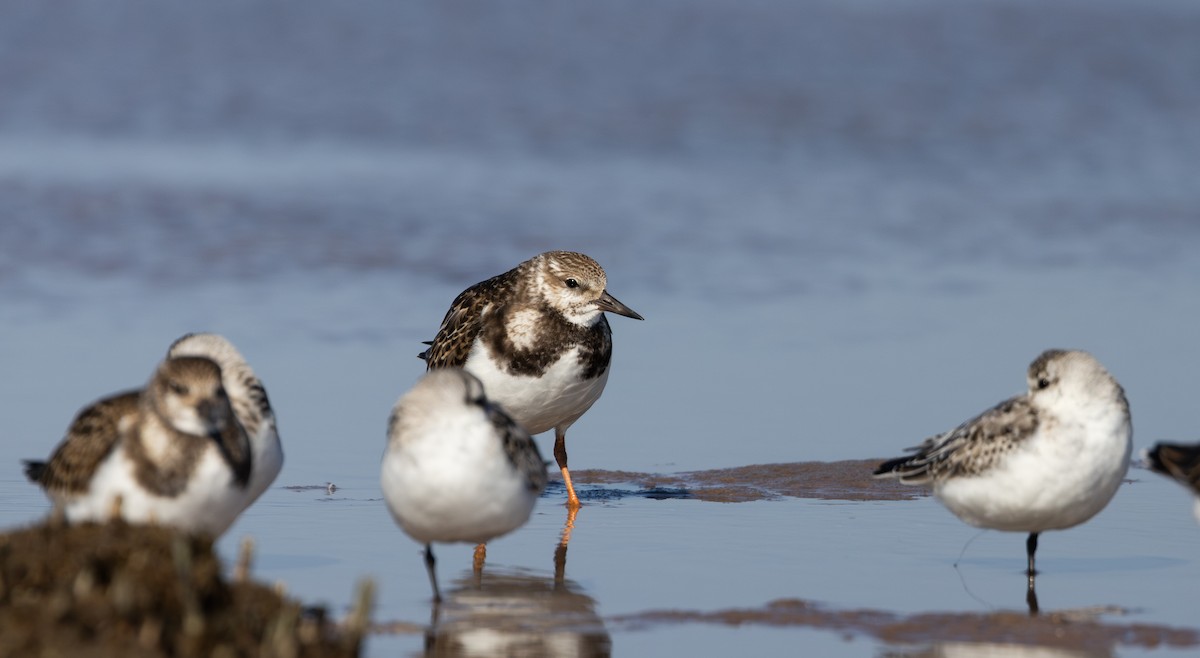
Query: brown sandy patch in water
x,y
841,480
122,590
1080,629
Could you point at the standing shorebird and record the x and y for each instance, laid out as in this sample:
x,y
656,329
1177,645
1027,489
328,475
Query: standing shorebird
x,y
1180,463
1046,460
250,404
171,454
537,338
456,467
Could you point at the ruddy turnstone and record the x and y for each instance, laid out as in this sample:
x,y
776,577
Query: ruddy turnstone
x,y
1046,460
1180,463
172,454
456,467
248,397
537,338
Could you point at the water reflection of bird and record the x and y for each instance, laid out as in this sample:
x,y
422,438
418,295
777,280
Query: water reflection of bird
x,y
1180,463
517,614
995,650
1046,460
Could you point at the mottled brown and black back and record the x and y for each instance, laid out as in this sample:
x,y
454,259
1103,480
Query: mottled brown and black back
x,y
89,439
465,319
969,449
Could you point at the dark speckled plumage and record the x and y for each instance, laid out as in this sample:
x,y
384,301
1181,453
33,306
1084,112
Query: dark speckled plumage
x,y
91,436
483,311
991,435
466,317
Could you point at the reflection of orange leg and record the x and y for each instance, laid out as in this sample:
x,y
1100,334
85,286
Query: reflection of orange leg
x,y
560,455
570,525
560,552
480,557
241,573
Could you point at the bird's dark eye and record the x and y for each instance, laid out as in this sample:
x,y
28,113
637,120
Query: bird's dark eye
x,y
1043,382
572,283
178,389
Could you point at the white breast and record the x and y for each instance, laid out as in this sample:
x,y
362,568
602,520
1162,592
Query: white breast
x,y
1060,477
555,399
210,502
454,483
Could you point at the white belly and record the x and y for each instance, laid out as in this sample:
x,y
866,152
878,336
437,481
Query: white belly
x,y
210,502
554,400
455,485
1044,485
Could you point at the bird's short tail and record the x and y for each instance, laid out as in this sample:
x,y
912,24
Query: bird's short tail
x,y
888,467
424,356
34,470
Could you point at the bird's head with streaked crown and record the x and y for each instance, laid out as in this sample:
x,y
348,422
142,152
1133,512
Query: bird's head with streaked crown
x,y
575,285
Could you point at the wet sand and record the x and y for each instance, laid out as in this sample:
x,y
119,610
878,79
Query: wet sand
x,y
839,480
1076,630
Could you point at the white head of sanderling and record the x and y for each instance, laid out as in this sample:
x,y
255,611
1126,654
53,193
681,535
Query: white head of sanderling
x,y
456,467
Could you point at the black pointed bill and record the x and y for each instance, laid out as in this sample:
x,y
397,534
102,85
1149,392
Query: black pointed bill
x,y
609,303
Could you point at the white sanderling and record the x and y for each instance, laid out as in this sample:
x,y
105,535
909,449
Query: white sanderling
x,y
1180,463
250,404
537,338
456,467
172,454
1046,460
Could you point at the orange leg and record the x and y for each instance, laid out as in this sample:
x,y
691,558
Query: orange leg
x,y
480,557
560,455
572,499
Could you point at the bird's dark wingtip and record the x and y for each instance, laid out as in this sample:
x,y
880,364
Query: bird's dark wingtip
x,y
889,467
1154,458
34,470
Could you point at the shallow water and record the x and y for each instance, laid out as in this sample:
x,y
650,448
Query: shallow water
x,y
849,226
